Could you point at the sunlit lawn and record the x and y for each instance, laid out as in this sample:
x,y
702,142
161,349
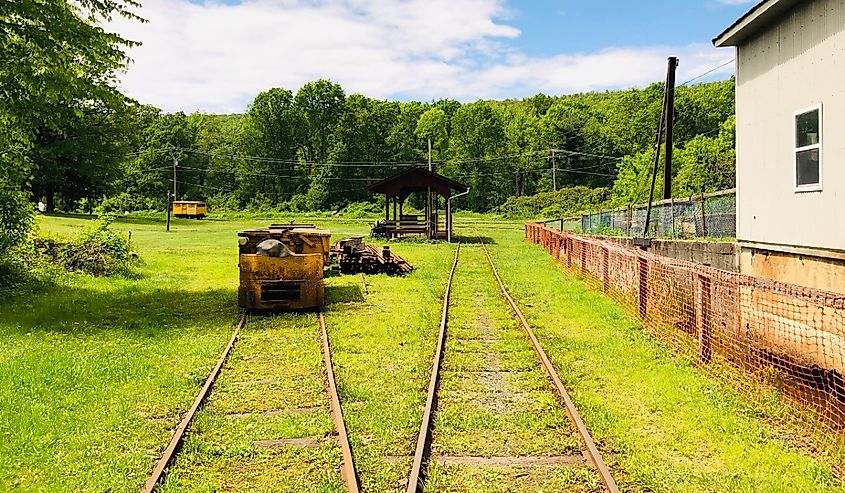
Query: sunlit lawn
x,y
95,373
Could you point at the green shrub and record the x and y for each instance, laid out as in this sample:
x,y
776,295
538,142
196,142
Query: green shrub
x,y
564,202
126,202
16,218
97,250
24,269
359,210
223,202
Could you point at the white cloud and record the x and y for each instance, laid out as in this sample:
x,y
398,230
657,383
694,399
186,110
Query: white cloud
x,y
216,57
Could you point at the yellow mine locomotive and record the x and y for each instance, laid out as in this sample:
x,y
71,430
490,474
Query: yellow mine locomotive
x,y
281,267
189,209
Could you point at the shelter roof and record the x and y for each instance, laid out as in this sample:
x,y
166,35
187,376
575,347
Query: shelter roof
x,y
416,179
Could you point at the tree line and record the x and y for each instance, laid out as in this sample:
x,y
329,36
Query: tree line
x,y
71,140
318,148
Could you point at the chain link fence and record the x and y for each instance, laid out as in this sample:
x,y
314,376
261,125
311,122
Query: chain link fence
x,y
779,346
706,216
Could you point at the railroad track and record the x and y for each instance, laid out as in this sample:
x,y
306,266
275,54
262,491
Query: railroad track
x,y
588,454
424,461
348,473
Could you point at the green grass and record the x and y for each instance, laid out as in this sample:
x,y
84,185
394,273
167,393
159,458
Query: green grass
x,y
276,366
494,400
382,346
95,373
660,423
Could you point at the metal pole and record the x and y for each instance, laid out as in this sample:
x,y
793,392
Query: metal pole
x,y
169,207
175,164
656,162
429,155
670,122
428,208
554,171
449,214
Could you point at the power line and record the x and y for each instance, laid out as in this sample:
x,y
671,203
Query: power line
x,y
705,74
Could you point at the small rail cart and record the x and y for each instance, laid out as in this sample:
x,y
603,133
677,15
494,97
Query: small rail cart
x,y
189,209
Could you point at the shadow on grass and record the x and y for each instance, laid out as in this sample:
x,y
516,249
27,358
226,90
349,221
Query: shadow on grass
x,y
344,294
140,310
138,220
475,240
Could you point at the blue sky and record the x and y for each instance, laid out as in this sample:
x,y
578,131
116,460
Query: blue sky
x,y
216,55
550,26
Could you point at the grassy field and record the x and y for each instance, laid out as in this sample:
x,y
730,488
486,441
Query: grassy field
x,y
495,401
96,373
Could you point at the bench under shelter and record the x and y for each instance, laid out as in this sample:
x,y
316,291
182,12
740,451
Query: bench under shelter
x,y
399,187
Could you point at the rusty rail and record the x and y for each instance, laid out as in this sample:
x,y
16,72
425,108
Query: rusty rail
x,y
424,439
179,434
592,451
348,473
350,478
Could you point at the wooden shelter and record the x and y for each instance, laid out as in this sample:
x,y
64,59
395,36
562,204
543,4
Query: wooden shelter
x,y
399,187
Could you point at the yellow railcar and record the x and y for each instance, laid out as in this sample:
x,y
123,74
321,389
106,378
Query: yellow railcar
x,y
288,278
189,209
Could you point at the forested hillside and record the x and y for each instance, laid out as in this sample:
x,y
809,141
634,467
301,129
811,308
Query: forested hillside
x,y
318,148
70,139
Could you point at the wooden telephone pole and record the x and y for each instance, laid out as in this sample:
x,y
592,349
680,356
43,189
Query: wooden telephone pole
x,y
667,117
171,198
428,202
670,124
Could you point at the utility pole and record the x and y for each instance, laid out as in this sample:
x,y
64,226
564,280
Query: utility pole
x,y
670,123
169,208
175,164
429,155
554,171
428,205
670,74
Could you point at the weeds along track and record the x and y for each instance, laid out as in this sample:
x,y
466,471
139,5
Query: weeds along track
x,y
497,417
268,415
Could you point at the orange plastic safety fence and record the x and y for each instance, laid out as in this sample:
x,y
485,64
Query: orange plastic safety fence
x,y
777,345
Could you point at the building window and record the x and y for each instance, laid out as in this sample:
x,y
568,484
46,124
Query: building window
x,y
808,150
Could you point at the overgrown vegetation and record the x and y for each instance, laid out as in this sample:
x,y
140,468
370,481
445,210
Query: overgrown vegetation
x,y
564,202
59,118
96,250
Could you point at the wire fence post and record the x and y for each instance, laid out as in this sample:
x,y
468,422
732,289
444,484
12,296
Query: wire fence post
x,y
642,292
703,215
672,213
605,274
583,260
705,351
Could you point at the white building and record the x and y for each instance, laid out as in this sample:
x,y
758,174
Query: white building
x,y
790,104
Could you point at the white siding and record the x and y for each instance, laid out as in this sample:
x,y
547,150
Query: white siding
x,y
796,63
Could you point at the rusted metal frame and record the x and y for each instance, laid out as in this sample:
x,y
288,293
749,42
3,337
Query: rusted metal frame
x,y
178,435
423,449
592,451
350,478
